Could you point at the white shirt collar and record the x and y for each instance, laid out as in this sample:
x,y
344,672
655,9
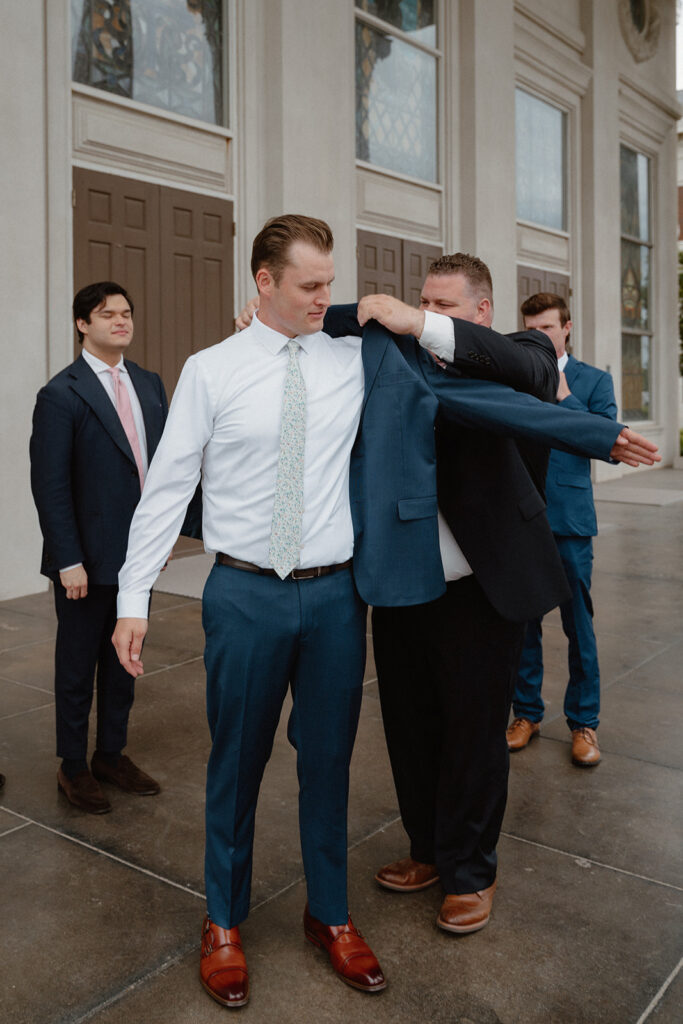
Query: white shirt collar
x,y
274,341
99,365
562,361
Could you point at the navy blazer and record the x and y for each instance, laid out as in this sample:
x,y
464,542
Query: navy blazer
x,y
393,481
83,474
569,491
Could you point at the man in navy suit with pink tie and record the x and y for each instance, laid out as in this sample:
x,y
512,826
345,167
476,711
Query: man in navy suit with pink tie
x,y
96,426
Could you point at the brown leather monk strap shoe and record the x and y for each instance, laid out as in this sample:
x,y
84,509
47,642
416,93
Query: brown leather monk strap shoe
x,y
466,912
223,966
519,732
124,774
83,791
585,749
350,955
407,875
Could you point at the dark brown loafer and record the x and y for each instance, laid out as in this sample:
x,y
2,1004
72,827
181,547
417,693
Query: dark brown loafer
x,y
126,775
407,875
223,966
466,912
350,955
83,791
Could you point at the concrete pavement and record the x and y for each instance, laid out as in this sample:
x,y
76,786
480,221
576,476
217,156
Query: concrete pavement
x,y
100,916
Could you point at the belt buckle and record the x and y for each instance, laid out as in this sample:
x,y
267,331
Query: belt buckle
x,y
305,574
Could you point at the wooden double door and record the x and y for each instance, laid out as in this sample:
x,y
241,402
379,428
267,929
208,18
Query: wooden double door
x,y
173,253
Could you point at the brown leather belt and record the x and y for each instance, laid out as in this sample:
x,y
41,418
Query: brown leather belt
x,y
295,574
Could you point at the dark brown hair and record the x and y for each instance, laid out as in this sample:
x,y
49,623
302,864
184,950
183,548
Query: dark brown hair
x,y
542,301
271,245
472,268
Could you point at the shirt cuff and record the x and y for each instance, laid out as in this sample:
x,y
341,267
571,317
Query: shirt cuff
x,y
132,606
76,565
438,336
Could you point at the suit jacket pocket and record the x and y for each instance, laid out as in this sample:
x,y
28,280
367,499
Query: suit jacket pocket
x,y
572,480
531,504
417,508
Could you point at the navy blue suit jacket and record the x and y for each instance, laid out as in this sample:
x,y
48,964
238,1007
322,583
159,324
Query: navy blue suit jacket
x,y
83,474
569,491
393,482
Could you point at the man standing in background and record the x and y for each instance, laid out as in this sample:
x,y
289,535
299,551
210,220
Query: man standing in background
x,y
95,428
571,513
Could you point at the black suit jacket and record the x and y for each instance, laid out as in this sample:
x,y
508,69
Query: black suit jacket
x,y
83,474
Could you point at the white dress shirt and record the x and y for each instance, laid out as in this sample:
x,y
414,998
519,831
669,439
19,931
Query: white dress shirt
x,y
224,423
105,378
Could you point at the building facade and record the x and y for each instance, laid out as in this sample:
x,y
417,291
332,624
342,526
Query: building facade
x,y
148,140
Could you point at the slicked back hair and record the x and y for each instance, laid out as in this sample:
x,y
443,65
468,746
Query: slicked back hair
x,y
271,245
92,296
472,269
542,301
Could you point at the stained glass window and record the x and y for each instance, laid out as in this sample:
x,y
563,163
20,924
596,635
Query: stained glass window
x,y
540,161
396,124
415,17
636,285
167,53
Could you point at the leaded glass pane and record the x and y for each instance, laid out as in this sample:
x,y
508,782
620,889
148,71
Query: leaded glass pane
x,y
635,285
540,161
635,377
395,104
416,17
635,194
167,53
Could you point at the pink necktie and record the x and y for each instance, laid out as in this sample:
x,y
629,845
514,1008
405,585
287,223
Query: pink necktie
x,y
125,411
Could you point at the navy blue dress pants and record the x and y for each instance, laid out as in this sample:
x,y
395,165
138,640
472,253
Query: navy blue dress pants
x,y
84,629
264,634
582,696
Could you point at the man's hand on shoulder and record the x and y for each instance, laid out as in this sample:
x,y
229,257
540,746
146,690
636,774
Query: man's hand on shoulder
x,y
75,582
634,449
393,314
127,639
246,315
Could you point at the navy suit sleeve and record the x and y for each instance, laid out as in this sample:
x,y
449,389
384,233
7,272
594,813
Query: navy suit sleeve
x,y
488,406
600,401
51,455
525,361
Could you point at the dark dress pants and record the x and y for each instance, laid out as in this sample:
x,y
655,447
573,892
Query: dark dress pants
x,y
582,696
446,672
84,629
264,634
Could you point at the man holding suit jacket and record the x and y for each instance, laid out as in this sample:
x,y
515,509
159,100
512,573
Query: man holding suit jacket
x,y
96,426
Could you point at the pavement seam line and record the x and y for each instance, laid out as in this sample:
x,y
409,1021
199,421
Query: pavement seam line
x,y
17,828
659,995
28,686
105,853
595,863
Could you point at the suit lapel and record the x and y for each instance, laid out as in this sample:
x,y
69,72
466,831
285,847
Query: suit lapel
x,y
85,383
149,403
571,370
375,341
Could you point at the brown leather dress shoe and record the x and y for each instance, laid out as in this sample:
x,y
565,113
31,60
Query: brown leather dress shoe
x,y
350,955
466,912
407,875
83,791
223,966
519,732
585,749
126,775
